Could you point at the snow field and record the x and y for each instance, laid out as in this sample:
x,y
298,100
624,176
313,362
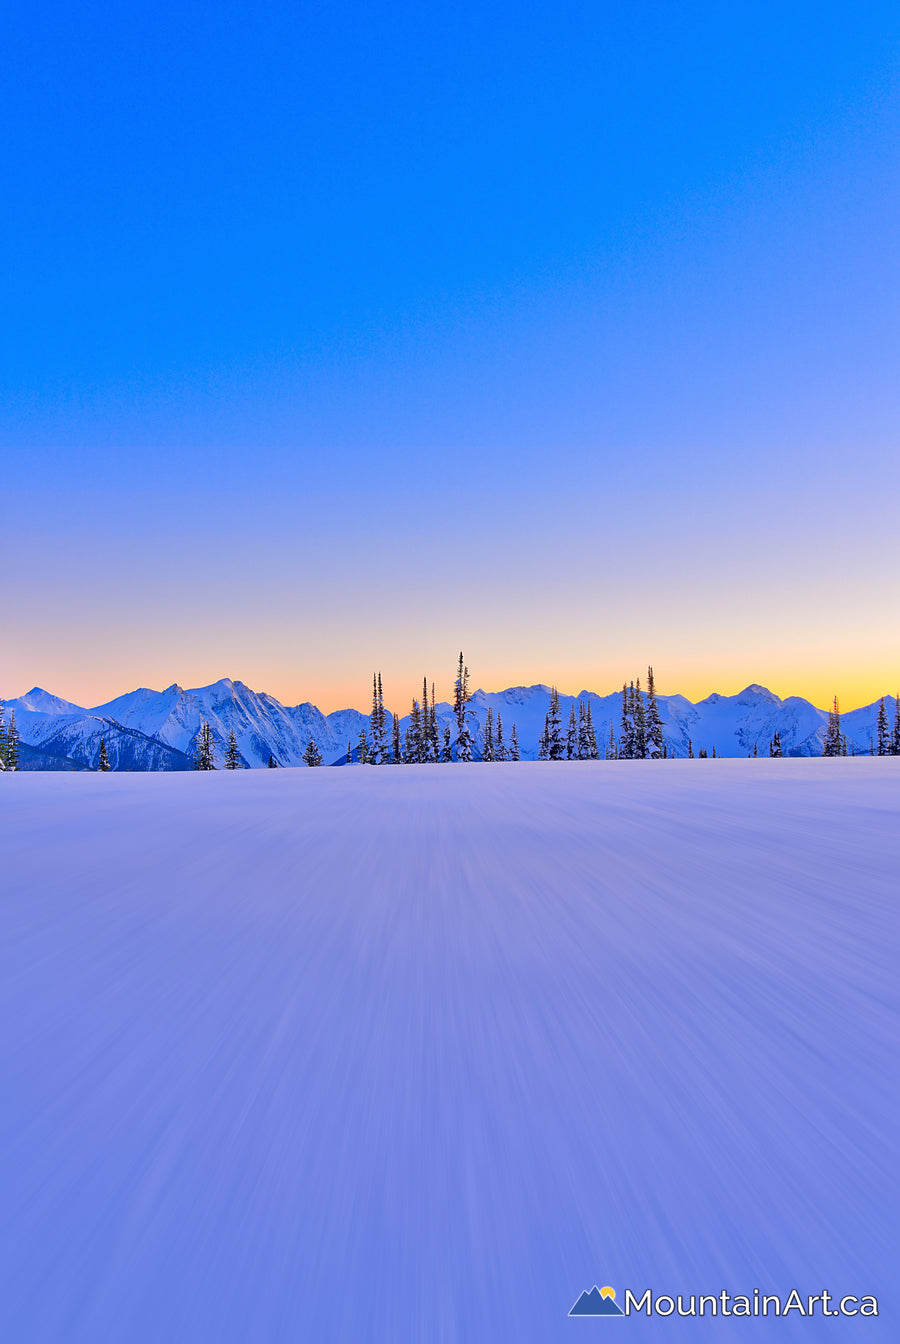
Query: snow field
x,y
421,1053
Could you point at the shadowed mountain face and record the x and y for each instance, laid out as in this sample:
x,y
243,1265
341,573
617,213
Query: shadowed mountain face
x,y
157,730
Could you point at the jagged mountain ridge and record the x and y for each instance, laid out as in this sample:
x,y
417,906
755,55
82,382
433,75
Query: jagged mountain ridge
x,y
156,730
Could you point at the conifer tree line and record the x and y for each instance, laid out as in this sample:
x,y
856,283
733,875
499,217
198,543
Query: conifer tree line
x,y
640,726
578,742
423,742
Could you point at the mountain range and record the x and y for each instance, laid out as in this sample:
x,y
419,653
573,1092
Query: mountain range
x,y
157,730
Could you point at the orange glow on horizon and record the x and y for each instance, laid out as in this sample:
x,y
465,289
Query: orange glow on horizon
x,y
853,688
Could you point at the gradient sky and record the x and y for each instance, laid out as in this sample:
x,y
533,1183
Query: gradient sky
x,y
340,337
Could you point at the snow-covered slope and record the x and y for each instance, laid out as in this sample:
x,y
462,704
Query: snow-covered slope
x,y
76,738
416,1056
150,720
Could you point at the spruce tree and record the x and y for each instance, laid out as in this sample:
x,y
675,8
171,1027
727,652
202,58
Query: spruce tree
x,y
499,745
488,752
895,735
205,752
655,740
413,753
612,746
446,749
429,730
640,723
590,737
884,740
775,745
434,736
514,754
11,755
103,759
273,764
572,737
556,748
363,748
378,753
755,751
832,743
397,749
461,699
626,733
312,755
702,754
690,750
232,755
544,742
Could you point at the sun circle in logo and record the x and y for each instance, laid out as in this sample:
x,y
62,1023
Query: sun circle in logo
x,y
608,1292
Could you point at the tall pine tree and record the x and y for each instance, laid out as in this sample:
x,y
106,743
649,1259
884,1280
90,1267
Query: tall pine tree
x,y
413,752
895,734
514,754
499,745
11,755
378,753
544,741
103,758
461,699
655,741
572,738
626,732
312,755
833,744
488,750
590,737
884,738
640,723
205,749
434,736
556,749
232,755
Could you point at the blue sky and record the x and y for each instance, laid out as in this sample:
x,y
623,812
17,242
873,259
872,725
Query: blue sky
x,y
307,306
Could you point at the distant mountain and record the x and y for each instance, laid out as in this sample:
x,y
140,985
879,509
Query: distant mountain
x,y
262,725
157,730
61,731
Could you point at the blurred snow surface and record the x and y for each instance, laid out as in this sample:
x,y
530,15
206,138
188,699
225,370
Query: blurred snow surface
x,y
420,1053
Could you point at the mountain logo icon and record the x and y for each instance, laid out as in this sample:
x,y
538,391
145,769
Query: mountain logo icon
x,y
598,1302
